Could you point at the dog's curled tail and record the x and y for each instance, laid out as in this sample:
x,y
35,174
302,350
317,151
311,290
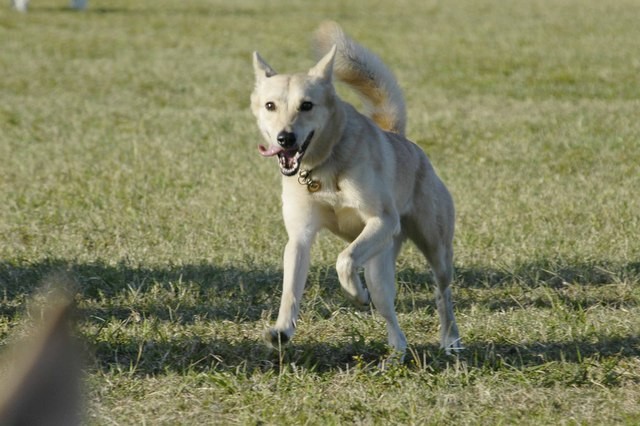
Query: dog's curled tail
x,y
365,73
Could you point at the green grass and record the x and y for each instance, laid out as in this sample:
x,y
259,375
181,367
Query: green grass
x,y
129,164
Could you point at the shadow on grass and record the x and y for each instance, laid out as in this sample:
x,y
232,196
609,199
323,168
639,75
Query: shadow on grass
x,y
223,9
540,284
195,354
211,293
104,290
532,274
69,9
228,293
247,356
102,279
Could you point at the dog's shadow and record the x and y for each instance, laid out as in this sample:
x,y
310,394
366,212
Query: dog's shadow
x,y
244,295
144,357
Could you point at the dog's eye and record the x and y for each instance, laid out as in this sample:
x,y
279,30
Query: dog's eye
x,y
270,106
306,106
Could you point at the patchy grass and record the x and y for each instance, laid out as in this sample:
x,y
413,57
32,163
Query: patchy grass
x,y
129,165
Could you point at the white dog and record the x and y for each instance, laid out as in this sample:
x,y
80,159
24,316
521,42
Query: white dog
x,y
23,5
357,176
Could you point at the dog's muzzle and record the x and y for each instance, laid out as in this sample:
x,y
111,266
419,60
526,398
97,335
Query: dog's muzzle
x,y
290,157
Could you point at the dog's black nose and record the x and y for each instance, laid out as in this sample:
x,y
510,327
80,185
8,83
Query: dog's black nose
x,y
286,139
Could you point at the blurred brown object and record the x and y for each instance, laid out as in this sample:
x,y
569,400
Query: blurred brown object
x,y
42,375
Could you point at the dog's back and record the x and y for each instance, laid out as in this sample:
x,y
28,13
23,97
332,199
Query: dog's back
x,y
365,73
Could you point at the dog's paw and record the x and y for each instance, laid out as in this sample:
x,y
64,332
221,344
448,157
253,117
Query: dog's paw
x,y
454,347
275,338
362,301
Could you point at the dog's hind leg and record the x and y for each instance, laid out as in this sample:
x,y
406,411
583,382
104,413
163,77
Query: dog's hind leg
x,y
440,257
437,248
380,276
442,264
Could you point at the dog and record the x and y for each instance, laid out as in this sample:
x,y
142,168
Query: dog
x,y
23,5
356,175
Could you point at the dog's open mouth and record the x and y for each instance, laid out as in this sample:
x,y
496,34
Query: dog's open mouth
x,y
289,159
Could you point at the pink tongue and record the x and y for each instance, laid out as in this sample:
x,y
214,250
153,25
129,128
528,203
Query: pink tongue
x,y
269,152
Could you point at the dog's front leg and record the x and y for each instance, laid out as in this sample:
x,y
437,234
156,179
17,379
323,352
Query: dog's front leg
x,y
297,253
376,247
376,235
296,268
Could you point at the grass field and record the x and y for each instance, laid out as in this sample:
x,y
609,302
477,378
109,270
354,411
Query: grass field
x,y
129,165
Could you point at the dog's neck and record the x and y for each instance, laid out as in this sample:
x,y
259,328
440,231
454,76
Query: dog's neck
x,y
314,174
328,137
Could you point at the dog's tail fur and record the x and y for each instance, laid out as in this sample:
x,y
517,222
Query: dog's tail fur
x,y
365,73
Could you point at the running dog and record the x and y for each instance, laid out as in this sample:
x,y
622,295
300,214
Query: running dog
x,y
23,5
356,175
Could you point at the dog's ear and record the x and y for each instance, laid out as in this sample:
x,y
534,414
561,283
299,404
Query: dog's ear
x,y
261,68
324,68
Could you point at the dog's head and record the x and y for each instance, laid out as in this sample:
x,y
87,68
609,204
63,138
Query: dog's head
x,y
292,111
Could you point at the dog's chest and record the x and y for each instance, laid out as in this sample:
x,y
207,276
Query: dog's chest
x,y
348,222
340,215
